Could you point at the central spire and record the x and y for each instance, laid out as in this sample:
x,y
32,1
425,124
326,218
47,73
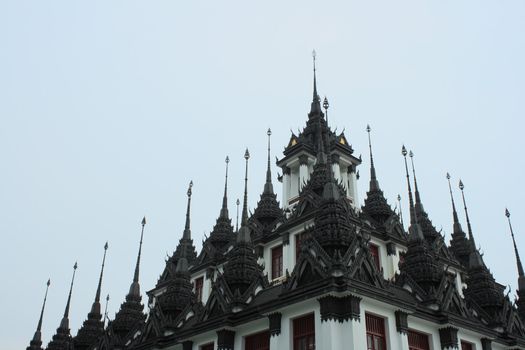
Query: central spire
x,y
268,187
64,324
187,232
134,289
315,109
457,225
244,232
224,209
413,219
374,184
95,309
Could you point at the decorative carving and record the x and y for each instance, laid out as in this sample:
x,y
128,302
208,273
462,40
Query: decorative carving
x,y
448,337
335,158
402,322
303,159
340,308
274,321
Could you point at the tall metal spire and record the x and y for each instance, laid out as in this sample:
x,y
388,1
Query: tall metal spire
x,y
187,231
374,184
518,260
134,289
418,198
315,108
469,227
64,324
316,96
268,186
244,218
457,225
95,309
237,223
224,209
36,343
413,219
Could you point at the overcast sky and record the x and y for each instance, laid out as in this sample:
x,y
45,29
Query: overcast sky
x,y
109,108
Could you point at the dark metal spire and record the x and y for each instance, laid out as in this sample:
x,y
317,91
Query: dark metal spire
x,y
315,109
418,198
268,186
187,231
316,96
470,234
134,289
95,309
518,260
64,324
244,217
224,209
374,184
413,219
237,223
457,225
37,338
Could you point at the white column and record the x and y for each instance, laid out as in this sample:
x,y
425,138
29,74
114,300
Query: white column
x,y
286,186
303,171
336,167
352,186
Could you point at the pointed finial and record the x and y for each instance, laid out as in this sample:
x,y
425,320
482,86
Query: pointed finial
x,y
95,308
106,311
244,218
64,324
268,186
134,289
224,209
237,223
469,227
374,184
518,260
187,231
325,106
37,338
413,219
457,226
316,96
400,210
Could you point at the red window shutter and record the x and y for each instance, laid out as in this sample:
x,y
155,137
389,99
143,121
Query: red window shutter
x,y
277,262
417,341
375,332
374,250
304,333
259,341
465,345
198,288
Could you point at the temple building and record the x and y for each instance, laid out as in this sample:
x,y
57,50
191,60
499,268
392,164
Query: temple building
x,y
316,270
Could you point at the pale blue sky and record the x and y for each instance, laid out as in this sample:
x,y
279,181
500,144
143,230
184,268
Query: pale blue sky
x,y
109,108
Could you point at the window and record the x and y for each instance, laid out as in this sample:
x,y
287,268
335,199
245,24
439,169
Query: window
x,y
198,288
277,262
374,250
259,341
375,332
304,333
299,238
209,346
417,341
466,346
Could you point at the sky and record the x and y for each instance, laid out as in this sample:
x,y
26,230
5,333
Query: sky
x,y
109,108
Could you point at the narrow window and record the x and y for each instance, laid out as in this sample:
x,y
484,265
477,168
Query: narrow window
x,y
259,341
417,341
277,262
304,333
198,288
466,346
299,238
374,250
209,346
375,332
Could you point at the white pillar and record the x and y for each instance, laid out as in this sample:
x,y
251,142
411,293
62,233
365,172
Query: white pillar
x,y
352,186
303,170
286,186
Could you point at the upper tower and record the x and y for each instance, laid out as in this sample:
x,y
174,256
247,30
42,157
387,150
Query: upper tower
x,y
300,155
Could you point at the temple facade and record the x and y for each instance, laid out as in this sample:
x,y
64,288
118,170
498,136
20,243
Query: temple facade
x,y
317,270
